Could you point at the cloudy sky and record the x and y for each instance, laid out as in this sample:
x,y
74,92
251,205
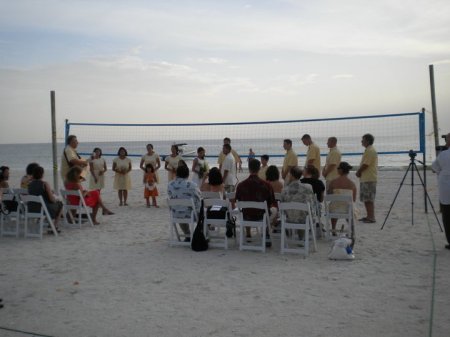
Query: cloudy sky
x,y
148,61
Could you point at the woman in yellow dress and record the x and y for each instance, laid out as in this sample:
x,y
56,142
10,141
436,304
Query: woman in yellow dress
x,y
151,157
122,180
172,163
97,167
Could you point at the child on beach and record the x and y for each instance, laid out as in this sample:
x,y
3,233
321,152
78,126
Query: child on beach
x,y
151,190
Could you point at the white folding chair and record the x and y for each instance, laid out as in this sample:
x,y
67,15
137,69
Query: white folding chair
x,y
260,225
218,224
41,215
211,195
174,234
291,228
277,196
342,209
81,208
9,223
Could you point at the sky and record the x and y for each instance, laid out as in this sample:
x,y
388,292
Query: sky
x,y
173,61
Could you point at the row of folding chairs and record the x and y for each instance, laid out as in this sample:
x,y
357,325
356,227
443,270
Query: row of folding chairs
x,y
290,240
35,221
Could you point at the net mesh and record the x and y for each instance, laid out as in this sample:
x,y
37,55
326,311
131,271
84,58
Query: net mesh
x,y
394,135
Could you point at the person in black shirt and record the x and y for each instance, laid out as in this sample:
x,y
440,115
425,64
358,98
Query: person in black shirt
x,y
311,176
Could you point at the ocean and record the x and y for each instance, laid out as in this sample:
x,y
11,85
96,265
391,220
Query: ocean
x,y
18,156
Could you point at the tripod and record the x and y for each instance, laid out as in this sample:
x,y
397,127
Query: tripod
x,y
412,166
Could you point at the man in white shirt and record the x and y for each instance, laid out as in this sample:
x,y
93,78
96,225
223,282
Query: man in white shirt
x,y
228,169
442,167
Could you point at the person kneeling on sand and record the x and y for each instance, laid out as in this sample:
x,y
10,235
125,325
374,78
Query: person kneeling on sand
x,y
91,198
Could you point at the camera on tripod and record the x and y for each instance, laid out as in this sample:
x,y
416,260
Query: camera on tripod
x,y
412,154
442,147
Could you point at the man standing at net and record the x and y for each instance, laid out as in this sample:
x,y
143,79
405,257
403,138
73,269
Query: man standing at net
x,y
442,167
290,158
333,159
313,153
237,159
367,174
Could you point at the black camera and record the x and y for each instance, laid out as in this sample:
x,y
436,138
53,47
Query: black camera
x,y
412,154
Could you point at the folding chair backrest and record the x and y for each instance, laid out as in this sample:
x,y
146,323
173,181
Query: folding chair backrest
x,y
216,202
20,191
293,205
81,207
29,200
211,195
37,200
252,204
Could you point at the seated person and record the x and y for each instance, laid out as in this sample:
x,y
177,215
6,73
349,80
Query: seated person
x,y
273,178
311,176
182,188
341,185
297,192
214,183
91,198
255,189
37,186
28,176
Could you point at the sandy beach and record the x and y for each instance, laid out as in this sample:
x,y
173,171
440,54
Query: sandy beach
x,y
122,279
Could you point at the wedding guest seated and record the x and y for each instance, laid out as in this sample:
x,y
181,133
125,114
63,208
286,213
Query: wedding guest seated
x,y
311,176
26,179
39,187
214,183
4,170
341,185
91,198
273,178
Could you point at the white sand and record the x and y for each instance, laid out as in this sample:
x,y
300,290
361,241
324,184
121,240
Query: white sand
x,y
122,279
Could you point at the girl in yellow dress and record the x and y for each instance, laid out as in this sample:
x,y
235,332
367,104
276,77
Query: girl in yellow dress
x,y
151,190
122,180
172,163
97,167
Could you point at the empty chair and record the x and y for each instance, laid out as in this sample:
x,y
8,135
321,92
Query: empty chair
x,y
339,206
260,225
10,220
217,213
291,239
36,210
187,207
78,209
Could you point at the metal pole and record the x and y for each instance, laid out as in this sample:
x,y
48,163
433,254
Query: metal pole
x,y
54,144
433,106
424,157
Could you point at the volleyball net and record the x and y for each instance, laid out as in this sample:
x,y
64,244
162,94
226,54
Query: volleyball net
x,y
395,135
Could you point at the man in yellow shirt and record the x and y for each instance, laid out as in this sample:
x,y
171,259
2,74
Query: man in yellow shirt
x,y
367,175
333,160
70,157
237,159
313,153
290,158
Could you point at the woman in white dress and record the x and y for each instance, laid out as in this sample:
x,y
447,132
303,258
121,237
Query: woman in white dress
x,y
200,167
97,167
172,163
151,157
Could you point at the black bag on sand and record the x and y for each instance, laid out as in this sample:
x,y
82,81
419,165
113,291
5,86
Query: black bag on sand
x,y
198,241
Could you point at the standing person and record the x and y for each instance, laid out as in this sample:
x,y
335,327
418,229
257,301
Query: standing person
x,y
171,163
255,189
122,180
42,188
367,174
330,171
251,155
313,153
237,158
91,198
228,169
5,173
97,167
70,157
182,188
28,177
151,188
290,158
264,166
200,167
442,167
151,157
